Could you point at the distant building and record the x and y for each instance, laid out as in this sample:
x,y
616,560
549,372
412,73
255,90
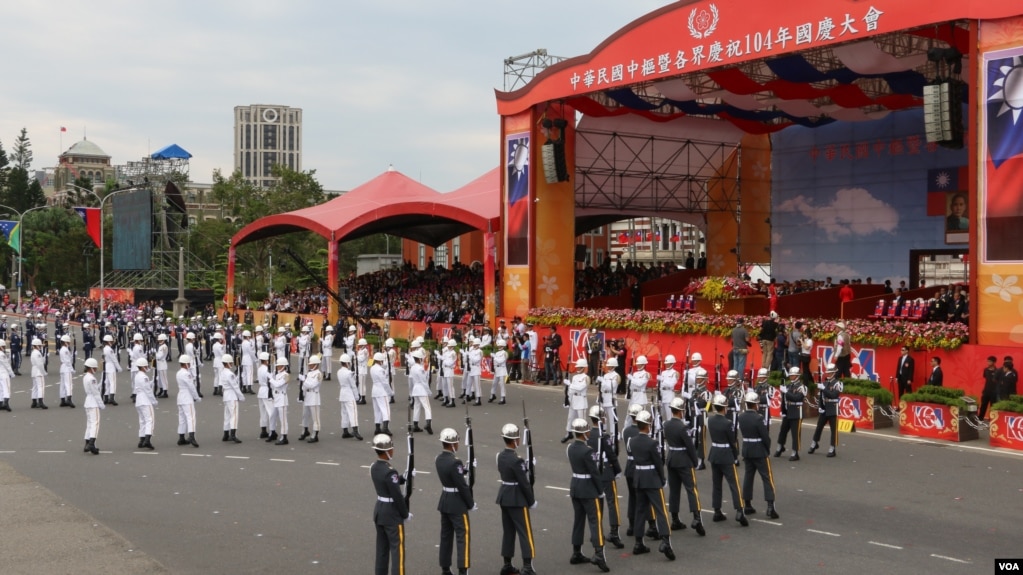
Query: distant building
x,y
265,135
83,160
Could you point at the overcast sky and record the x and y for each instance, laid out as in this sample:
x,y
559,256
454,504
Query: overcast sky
x,y
401,82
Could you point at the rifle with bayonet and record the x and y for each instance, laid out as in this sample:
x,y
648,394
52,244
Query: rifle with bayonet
x,y
527,439
410,464
470,446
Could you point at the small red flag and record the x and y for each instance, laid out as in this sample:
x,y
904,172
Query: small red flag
x,y
63,129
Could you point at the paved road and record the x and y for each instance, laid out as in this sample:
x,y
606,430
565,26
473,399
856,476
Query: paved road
x,y
886,505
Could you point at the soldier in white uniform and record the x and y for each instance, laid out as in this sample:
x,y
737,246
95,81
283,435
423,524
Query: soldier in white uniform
x,y
93,404
348,397
362,368
279,385
195,363
67,370
304,345
162,353
145,402
350,340
281,345
248,359
475,370
667,380
267,413
218,361
326,351
186,399
311,404
419,391
448,361
232,394
608,385
137,351
575,396
260,340
382,393
6,373
638,381
111,366
500,358
38,374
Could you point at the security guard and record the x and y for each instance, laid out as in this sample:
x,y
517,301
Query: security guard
x,y
649,477
93,404
575,397
601,443
681,468
586,491
723,457
390,511
792,397
756,452
455,503
515,496
828,409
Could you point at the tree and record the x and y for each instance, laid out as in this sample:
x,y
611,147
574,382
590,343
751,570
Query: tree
x,y
22,152
4,169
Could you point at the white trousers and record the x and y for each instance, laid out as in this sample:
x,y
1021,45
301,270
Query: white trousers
x,y
282,420
381,409
575,414
267,414
5,388
247,375
161,379
498,385
91,422
230,414
38,387
349,415
186,418
472,386
146,418
325,365
111,382
65,385
424,403
311,417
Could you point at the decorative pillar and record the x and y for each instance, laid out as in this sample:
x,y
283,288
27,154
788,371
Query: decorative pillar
x,y
333,279
229,289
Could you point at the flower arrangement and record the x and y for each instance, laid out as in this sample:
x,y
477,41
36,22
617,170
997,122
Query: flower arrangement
x,y
949,396
916,335
719,288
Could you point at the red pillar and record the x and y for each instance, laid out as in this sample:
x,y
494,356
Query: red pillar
x,y
229,290
332,278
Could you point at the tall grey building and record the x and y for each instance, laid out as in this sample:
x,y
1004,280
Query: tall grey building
x,y
265,135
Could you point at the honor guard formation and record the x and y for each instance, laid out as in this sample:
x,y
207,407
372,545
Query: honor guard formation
x,y
673,426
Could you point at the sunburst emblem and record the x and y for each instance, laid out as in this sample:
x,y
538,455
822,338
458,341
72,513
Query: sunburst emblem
x,y
1011,93
943,180
518,156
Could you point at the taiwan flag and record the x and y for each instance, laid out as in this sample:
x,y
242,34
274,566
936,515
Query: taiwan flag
x,y
518,200
940,182
1004,162
93,223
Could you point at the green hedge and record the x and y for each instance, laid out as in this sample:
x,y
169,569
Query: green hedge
x,y
949,396
867,388
1014,404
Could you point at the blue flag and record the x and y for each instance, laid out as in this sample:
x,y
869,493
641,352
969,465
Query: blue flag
x,y
1005,124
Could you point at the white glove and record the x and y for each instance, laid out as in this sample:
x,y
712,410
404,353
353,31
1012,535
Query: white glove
x,y
686,395
784,388
199,400
409,518
301,377
475,506
820,386
533,506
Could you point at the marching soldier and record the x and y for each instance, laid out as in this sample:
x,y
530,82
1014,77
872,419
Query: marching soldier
x,y
311,382
362,365
162,354
390,511
304,347
93,404
6,373
667,382
648,479
382,394
279,386
88,340
194,362
734,393
628,433
575,397
594,347
792,397
38,375
586,491
145,402
473,373
248,360
638,381
15,349
500,358
187,397
136,352
448,361
723,457
280,344
764,391
348,397
756,453
698,400
219,351
455,503
419,391
515,496
326,351
828,409
608,385
601,443
681,466
267,413
231,392
67,370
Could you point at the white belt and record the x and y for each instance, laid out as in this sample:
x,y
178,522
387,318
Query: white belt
x,y
645,467
751,439
510,483
451,489
725,445
831,400
385,499
630,458
795,403
670,448
580,476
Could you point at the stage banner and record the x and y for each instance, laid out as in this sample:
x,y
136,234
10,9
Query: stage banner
x,y
553,269
1000,241
113,295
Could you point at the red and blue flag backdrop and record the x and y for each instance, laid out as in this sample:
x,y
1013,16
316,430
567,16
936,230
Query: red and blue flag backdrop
x,y
941,181
93,223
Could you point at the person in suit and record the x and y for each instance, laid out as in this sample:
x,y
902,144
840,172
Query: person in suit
x,y
904,372
586,491
936,376
990,393
456,501
1007,381
756,451
515,496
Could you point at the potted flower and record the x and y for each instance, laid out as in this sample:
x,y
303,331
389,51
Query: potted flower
x,y
719,289
1007,423
939,413
862,401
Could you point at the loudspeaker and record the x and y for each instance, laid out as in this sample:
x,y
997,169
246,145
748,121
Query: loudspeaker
x,y
580,253
943,113
555,169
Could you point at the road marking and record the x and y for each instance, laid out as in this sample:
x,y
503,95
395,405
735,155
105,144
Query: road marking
x,y
8,452
558,488
884,545
192,455
53,452
824,533
284,460
327,463
949,558
235,457
145,452
367,467
766,521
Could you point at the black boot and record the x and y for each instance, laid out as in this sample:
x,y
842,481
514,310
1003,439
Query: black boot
x,y
748,509
676,523
502,402
345,434
666,548
181,439
112,402
305,434
63,402
191,440
439,395
478,401
651,531
813,447
741,518
148,443
697,524
87,443
386,428
227,436
92,446
492,399
234,436
719,516
577,557
416,428
263,433
771,511
355,432
315,438
43,405
567,438
35,403
283,440
781,449
142,442
429,427
7,405
376,429
527,567
615,539
794,456
70,403
639,548
106,400
272,437
831,451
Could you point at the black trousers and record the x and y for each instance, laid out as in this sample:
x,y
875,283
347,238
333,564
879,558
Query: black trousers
x,y
587,511
832,421
611,497
761,465
904,387
679,477
986,399
454,528
390,548
843,366
515,521
719,473
650,501
793,425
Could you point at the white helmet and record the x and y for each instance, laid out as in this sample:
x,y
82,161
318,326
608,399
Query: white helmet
x,y
281,362
596,412
448,435
677,404
752,397
246,333
281,330
379,357
382,442
227,359
141,362
328,328
419,353
259,328
701,373
184,359
218,335
830,368
696,357
345,358
351,328
389,342
3,343
719,399
634,409
794,371
732,375
580,363
501,343
305,329
137,337
314,360
669,359
612,362
65,338
762,372
451,343
92,363
580,425
264,356
510,431
641,360
161,337
643,417
189,335
36,341
362,341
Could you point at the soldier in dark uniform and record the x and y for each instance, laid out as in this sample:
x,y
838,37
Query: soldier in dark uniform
x,y
723,457
648,479
390,512
756,453
681,468
792,397
515,496
630,468
601,442
88,340
16,344
1007,381
990,393
586,492
455,503
593,350
3,327
828,402
764,391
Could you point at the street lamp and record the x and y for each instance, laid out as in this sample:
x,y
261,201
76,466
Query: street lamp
x,y
102,202
21,244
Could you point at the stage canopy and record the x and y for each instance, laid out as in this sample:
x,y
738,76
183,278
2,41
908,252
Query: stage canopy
x,y
171,152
